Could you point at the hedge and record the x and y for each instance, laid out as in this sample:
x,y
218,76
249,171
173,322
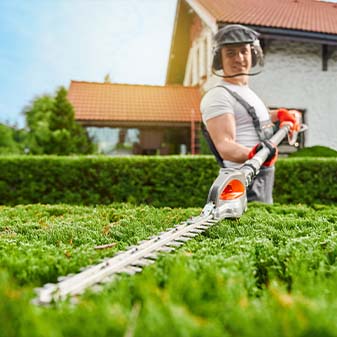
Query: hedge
x,y
315,151
306,180
273,272
174,181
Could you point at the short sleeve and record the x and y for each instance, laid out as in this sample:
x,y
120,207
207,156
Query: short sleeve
x,y
216,102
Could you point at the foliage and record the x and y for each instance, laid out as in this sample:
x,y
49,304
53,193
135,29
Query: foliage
x,y
102,180
10,140
315,151
67,136
273,272
175,181
37,119
204,147
306,180
53,129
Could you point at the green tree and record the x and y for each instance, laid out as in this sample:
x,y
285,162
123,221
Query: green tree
x,y
67,135
52,127
37,120
8,143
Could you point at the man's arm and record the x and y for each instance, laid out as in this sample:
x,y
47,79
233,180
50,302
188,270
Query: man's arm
x,y
222,131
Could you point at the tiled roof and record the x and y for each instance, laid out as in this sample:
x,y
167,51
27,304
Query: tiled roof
x,y
306,15
133,103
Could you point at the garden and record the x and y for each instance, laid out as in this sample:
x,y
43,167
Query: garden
x,y
272,272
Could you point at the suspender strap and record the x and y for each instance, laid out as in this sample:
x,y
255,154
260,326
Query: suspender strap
x,y
250,109
211,145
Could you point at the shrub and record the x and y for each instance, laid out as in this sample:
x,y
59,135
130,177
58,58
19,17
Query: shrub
x,y
273,272
315,151
175,181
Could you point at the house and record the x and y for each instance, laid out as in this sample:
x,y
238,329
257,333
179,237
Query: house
x,y
149,119
299,39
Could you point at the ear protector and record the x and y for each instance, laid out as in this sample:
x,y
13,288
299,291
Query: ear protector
x,y
237,34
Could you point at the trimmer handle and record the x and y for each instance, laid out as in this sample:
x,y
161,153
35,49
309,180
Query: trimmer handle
x,y
227,196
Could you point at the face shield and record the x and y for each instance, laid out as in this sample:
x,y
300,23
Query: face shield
x,y
237,35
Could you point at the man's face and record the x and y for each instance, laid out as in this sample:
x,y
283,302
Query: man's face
x,y
236,59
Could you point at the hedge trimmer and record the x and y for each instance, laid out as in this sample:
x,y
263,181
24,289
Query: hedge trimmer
x,y
226,199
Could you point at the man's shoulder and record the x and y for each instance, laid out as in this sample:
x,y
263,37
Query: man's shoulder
x,y
216,92
215,102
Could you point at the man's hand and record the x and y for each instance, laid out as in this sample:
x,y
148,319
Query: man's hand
x,y
273,155
289,116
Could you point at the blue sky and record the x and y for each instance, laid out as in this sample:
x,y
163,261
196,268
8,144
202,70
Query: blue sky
x,y
47,43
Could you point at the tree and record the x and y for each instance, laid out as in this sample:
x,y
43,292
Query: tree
x,y
53,129
37,119
67,135
8,144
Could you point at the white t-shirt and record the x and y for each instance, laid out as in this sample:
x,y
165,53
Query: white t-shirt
x,y
218,101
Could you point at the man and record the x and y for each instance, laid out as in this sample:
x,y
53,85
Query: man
x,y
236,119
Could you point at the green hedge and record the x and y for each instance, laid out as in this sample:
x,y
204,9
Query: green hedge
x,y
273,273
169,181
175,181
315,151
306,180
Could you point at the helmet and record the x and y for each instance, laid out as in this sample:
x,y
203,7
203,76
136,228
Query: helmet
x,y
236,34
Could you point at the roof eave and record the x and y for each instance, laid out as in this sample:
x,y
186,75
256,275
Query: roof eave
x,y
132,124
295,35
204,15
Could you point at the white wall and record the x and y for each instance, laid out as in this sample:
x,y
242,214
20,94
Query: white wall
x,y
293,77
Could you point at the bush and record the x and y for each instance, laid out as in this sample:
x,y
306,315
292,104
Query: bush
x,y
168,181
306,181
175,181
315,151
273,272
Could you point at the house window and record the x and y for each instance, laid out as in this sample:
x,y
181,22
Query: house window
x,y
114,141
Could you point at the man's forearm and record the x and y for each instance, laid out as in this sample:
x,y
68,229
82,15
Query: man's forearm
x,y
233,151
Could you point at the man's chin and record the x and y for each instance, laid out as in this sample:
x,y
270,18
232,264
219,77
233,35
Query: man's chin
x,y
237,74
240,71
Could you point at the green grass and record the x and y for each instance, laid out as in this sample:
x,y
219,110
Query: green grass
x,y
273,272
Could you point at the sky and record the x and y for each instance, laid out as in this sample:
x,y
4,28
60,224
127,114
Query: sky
x,y
44,44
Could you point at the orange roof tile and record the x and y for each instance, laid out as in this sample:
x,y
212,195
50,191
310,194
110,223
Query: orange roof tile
x,y
307,15
136,103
